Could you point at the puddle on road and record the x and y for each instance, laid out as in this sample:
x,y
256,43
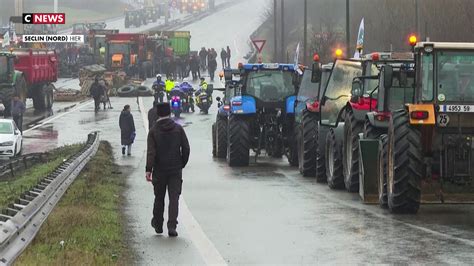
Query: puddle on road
x,y
98,117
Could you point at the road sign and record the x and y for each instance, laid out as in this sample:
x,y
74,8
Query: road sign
x,y
259,44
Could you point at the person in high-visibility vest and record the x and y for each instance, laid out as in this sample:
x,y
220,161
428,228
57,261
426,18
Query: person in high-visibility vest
x,y
169,86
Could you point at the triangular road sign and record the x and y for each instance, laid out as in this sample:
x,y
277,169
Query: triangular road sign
x,y
259,44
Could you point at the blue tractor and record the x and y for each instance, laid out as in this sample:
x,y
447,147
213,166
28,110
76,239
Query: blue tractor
x,y
257,114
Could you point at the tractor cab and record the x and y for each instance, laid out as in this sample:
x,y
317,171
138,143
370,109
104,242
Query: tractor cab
x,y
268,86
7,68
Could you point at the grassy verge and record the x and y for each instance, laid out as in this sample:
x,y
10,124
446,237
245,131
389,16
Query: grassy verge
x,y
86,227
11,189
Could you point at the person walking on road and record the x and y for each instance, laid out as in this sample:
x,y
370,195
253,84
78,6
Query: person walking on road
x,y
152,116
212,66
127,130
96,93
228,56
203,58
194,66
18,109
224,58
167,154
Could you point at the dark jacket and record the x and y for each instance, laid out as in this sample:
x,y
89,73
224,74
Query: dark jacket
x,y
127,127
168,148
96,90
152,117
17,108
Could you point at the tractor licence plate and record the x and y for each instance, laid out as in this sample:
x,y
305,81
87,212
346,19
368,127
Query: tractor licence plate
x,y
456,108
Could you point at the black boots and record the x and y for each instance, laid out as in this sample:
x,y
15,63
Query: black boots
x,y
172,233
158,228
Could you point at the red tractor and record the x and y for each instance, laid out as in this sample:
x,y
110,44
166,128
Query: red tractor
x,y
28,73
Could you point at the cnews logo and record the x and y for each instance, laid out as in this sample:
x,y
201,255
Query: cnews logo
x,y
44,18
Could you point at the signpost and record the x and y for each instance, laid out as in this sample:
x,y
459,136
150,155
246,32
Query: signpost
x,y
259,44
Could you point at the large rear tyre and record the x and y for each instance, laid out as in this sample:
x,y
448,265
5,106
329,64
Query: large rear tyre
x,y
320,141
334,173
214,150
382,172
221,137
350,155
307,144
405,165
40,97
238,142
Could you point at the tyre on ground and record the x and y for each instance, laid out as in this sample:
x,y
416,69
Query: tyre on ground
x,y
307,144
405,164
238,142
333,160
221,137
350,155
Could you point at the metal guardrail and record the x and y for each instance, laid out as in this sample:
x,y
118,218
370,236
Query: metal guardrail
x,y
21,221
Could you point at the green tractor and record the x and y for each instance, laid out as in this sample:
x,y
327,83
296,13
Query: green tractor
x,y
12,82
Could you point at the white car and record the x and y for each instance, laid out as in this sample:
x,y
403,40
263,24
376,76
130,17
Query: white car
x,y
11,140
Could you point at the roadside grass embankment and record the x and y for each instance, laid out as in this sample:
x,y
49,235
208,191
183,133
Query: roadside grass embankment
x,y
87,225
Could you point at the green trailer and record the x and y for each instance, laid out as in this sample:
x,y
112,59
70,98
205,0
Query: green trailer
x,y
179,41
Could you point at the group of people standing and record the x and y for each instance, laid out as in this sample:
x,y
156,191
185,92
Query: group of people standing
x,y
208,60
99,93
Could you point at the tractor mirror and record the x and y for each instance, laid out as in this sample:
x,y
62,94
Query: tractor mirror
x,y
218,98
316,73
387,76
357,89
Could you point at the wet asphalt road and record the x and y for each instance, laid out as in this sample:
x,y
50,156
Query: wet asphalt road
x,y
266,213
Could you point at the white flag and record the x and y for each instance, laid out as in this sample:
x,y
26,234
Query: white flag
x,y
297,54
15,37
360,39
6,39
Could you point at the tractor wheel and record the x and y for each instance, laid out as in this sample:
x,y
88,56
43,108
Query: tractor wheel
x,y
334,167
238,142
371,132
40,98
214,150
382,172
292,148
307,144
6,97
320,141
350,154
221,137
405,165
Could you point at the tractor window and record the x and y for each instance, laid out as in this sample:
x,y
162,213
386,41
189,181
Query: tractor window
x,y
427,77
270,85
338,90
308,90
3,66
455,76
402,90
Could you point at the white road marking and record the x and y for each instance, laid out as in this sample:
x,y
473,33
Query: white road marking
x,y
58,116
203,244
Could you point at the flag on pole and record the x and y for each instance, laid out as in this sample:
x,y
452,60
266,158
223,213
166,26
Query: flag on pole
x,y
297,54
360,39
6,39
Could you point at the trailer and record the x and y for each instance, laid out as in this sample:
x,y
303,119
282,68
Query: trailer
x,y
28,73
